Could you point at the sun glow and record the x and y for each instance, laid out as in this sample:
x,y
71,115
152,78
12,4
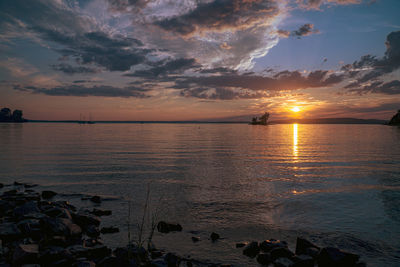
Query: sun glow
x,y
295,109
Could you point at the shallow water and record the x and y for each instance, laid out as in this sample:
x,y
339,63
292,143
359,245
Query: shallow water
x,y
337,185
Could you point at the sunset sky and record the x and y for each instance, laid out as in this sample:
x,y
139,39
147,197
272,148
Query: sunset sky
x,y
200,59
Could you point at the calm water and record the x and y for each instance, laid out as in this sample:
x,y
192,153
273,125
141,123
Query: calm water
x,y
338,185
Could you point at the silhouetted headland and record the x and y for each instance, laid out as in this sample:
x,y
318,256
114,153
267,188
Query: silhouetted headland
x,y
260,121
7,116
395,119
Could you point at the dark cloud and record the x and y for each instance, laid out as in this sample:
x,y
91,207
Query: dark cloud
x,y
305,30
71,70
115,53
78,90
226,86
166,67
378,87
221,14
369,69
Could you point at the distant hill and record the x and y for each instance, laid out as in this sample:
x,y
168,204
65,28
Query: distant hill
x,y
330,121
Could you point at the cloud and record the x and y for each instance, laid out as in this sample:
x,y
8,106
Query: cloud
x,y
304,30
166,67
220,15
316,4
83,91
226,86
378,87
71,70
369,69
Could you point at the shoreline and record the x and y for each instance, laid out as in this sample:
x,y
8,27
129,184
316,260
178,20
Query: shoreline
x,y
34,229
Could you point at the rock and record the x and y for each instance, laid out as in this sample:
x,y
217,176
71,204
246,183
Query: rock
x,y
156,254
30,185
313,252
330,257
96,199
158,263
111,261
284,262
52,254
30,227
99,212
303,244
65,205
83,219
241,244
92,231
18,183
303,261
1,185
84,264
47,194
12,192
172,260
195,239
281,252
60,226
395,120
91,242
270,244
26,209
6,207
264,258
9,232
214,236
58,212
109,230
164,227
24,254
252,249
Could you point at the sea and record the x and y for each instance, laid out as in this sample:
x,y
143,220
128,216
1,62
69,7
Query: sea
x,y
336,185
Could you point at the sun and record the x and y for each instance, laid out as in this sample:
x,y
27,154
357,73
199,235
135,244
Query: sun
x,y
295,109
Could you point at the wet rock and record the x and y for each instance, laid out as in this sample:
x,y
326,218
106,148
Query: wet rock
x,y
96,199
83,219
251,250
9,232
24,254
99,212
164,227
30,185
264,258
241,244
172,260
52,254
57,241
30,227
65,205
109,230
18,183
214,236
270,244
195,239
6,207
111,261
58,212
91,242
156,254
92,231
330,257
60,226
303,261
158,263
284,262
26,209
303,244
84,264
1,185
281,252
12,192
47,194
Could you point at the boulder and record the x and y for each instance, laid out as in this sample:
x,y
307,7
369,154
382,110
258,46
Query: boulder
x,y
330,257
252,249
84,220
241,244
30,227
110,261
172,260
302,246
270,244
195,239
109,230
26,209
303,261
214,236
281,252
284,262
99,212
158,263
51,254
9,232
60,226
264,259
58,212
24,254
47,194
84,264
92,231
164,227
96,199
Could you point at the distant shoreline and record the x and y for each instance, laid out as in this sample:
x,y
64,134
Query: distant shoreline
x,y
290,121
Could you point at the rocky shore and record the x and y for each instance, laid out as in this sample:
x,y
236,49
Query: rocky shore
x,y
35,231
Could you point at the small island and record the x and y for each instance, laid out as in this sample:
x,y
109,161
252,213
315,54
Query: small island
x,y
395,119
260,121
7,116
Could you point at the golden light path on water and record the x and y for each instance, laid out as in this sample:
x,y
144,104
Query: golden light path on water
x,y
295,140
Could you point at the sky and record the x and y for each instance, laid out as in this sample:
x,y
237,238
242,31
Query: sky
x,y
170,60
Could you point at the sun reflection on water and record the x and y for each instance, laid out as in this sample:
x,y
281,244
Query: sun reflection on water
x,y
295,140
